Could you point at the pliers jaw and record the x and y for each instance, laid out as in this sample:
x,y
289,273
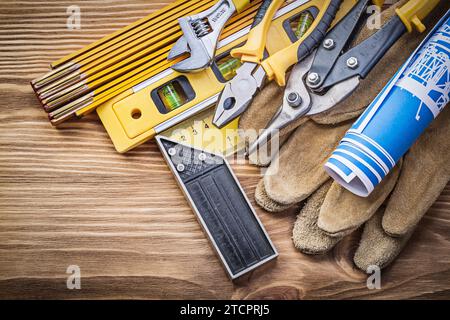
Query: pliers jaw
x,y
238,93
200,36
228,107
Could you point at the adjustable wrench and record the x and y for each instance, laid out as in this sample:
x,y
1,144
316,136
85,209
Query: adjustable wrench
x,y
201,33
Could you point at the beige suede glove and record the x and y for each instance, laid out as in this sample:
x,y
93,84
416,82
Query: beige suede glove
x,y
331,212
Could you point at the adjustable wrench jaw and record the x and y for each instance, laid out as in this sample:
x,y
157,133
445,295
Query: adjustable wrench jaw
x,y
200,36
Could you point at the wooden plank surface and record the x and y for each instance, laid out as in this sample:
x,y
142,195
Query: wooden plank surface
x,y
67,198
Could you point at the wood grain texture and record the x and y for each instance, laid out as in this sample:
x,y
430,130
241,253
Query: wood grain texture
x,y
68,198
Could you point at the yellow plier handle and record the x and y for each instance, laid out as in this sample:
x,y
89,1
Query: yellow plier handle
x,y
253,50
414,11
277,64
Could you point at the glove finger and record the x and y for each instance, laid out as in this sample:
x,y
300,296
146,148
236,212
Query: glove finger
x,y
425,173
265,202
299,171
383,71
343,212
306,235
376,248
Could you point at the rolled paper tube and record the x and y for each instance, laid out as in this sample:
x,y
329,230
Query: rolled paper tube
x,y
397,117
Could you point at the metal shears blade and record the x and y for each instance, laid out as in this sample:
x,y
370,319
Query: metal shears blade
x,y
298,101
238,93
200,36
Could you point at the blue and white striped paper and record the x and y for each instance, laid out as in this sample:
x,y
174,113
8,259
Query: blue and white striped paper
x,y
397,117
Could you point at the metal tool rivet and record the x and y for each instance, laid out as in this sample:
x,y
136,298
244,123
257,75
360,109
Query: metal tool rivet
x,y
328,44
313,78
352,63
180,167
294,99
202,156
172,152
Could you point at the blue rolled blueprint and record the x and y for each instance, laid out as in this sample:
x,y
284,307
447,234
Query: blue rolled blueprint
x,y
397,117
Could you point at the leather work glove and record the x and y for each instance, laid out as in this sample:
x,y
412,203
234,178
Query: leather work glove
x,y
330,212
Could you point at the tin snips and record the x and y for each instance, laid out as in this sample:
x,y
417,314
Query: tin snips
x,y
332,71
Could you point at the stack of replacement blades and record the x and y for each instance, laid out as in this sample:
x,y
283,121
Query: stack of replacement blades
x,y
82,81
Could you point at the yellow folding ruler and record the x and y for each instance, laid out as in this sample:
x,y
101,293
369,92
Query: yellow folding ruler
x,y
91,76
